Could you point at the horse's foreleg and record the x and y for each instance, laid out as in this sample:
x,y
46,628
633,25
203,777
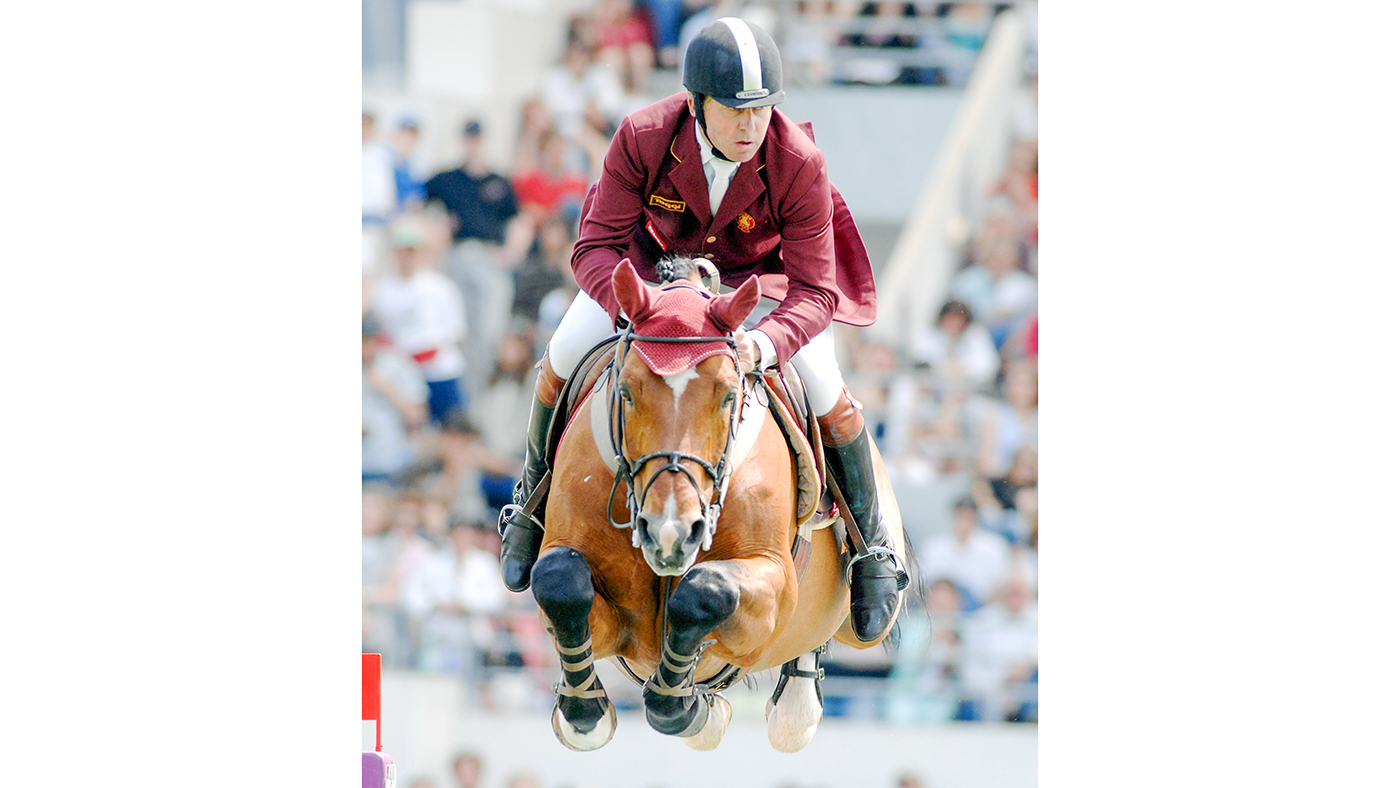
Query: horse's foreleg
x,y
583,717
703,600
796,706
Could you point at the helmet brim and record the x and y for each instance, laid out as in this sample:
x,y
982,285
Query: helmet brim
x,y
766,101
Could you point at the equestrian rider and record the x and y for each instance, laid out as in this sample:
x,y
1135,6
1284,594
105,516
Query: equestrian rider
x,y
717,172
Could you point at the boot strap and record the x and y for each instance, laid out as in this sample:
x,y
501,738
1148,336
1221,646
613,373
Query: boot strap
x,y
583,660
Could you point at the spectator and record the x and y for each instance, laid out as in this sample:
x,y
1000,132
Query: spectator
x,y
535,120
923,681
505,402
999,672
965,29
1012,423
450,597
393,405
466,770
884,28
1020,184
624,43
490,239
379,625
1002,503
545,269
999,294
407,185
377,197
549,185
577,83
666,16
959,350
399,553
810,37
973,558
874,369
423,314
476,480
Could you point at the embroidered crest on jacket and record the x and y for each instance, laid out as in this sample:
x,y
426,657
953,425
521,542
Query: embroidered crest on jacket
x,y
746,222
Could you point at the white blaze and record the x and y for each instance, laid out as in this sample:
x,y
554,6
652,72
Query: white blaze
x,y
669,533
679,381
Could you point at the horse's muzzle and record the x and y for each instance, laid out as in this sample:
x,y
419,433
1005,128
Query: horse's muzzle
x,y
669,546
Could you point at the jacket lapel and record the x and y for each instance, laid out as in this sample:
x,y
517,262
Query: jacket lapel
x,y
743,190
687,174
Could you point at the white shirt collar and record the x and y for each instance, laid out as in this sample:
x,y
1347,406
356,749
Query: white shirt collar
x,y
708,159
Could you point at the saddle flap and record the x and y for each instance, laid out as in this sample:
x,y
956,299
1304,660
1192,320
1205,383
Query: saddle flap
x,y
581,381
809,487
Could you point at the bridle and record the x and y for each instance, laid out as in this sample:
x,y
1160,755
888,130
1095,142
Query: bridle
x,y
627,470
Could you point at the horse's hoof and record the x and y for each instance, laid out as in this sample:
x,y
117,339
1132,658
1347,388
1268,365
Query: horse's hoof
x,y
684,721
793,720
584,741
708,738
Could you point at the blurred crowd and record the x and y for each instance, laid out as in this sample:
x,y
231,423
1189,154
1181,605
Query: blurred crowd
x,y
466,275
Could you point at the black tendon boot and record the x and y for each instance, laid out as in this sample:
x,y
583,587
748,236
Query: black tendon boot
x,y
875,578
521,533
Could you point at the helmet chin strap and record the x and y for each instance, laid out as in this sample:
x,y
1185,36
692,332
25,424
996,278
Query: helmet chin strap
x,y
700,116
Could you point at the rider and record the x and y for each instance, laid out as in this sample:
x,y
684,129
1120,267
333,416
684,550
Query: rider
x,y
716,172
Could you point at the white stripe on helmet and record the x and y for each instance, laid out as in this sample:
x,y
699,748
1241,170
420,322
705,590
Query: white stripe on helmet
x,y
748,59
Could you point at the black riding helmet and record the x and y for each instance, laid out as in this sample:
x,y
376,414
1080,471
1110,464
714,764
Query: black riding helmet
x,y
734,63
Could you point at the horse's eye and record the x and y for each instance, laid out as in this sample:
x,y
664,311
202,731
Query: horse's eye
x,y
626,394
728,399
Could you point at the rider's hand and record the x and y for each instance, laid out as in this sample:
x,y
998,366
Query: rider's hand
x,y
748,351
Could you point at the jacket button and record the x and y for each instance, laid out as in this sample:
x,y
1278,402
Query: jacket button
x,y
710,256
710,240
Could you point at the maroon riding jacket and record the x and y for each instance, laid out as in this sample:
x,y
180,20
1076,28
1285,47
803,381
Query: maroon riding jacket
x,y
781,218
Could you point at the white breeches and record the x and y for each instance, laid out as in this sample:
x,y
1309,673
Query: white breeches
x,y
585,324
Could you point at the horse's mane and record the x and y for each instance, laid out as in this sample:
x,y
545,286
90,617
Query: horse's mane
x,y
675,268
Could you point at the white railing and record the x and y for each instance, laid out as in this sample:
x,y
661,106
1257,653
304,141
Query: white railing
x,y
915,280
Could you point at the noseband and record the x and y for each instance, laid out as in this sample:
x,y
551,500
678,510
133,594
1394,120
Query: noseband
x,y
628,470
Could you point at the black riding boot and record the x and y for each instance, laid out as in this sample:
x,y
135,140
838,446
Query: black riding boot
x,y
522,533
876,578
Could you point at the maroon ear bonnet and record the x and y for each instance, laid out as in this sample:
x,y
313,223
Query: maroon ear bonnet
x,y
680,311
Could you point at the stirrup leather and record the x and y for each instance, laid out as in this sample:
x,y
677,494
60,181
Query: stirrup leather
x,y
527,507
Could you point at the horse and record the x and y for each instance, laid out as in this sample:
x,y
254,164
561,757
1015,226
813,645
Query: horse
x,y
670,527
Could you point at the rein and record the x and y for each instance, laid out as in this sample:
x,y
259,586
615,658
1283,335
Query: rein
x,y
628,470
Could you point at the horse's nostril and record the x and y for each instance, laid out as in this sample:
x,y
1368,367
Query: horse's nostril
x,y
642,523
697,528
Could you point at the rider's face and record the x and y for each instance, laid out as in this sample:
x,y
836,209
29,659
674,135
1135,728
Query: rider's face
x,y
737,133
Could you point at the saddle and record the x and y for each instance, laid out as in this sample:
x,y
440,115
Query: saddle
x,y
786,397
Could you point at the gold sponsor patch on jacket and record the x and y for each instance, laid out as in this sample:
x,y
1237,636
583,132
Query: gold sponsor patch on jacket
x,y
671,205
746,222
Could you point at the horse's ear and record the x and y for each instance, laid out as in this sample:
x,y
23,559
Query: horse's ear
x,y
729,311
632,293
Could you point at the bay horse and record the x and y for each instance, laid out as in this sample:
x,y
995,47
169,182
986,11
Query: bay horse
x,y
669,532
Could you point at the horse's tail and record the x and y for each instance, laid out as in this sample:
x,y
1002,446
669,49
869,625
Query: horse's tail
x,y
916,585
